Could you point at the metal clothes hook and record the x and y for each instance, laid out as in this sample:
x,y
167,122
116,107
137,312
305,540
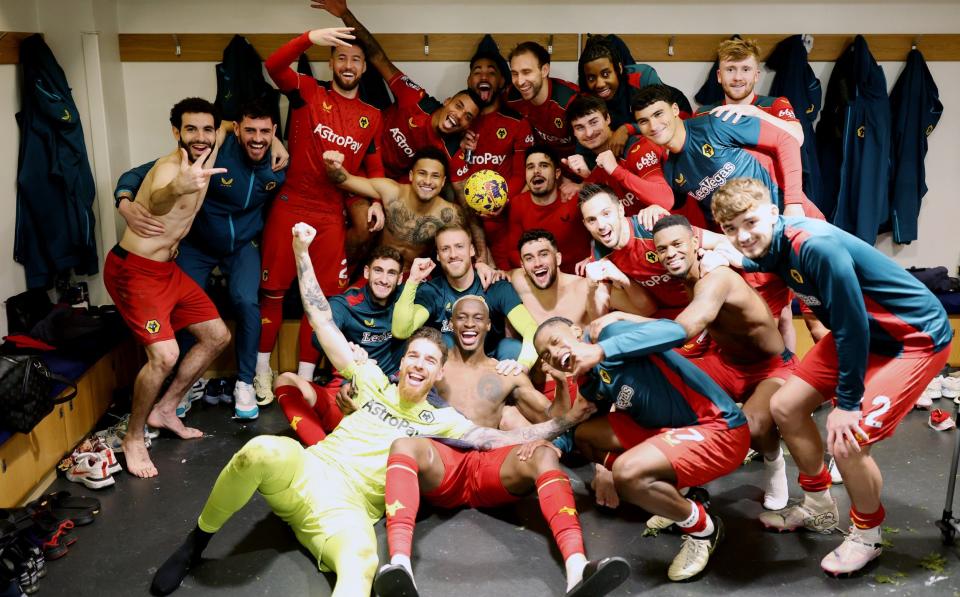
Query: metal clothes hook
x,y
176,42
673,38
426,45
550,45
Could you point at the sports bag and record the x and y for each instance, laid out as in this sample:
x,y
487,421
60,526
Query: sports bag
x,y
26,391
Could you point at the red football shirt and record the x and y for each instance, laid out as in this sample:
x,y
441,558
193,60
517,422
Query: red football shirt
x,y
562,218
502,138
549,119
322,120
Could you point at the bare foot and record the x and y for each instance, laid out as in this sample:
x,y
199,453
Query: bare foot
x,y
138,460
170,421
604,488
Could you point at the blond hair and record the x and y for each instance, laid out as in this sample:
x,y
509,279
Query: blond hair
x,y
736,196
735,50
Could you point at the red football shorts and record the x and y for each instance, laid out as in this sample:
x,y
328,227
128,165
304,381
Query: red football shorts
x,y
550,388
697,347
771,288
326,252
891,385
698,453
471,478
739,380
155,298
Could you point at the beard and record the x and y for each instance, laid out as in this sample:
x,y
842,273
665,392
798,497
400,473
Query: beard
x,y
343,84
186,147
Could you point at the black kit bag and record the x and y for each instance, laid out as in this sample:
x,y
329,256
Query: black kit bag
x,y
26,391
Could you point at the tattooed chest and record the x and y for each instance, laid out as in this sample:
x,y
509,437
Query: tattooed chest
x,y
416,229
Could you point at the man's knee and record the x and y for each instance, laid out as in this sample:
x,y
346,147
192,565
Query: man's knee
x,y
631,470
414,447
786,409
286,379
545,459
265,452
163,359
217,335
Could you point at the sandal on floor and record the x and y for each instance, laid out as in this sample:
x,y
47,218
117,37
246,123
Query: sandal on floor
x,y
81,510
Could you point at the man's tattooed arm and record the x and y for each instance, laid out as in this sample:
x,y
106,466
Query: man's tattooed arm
x,y
485,438
320,315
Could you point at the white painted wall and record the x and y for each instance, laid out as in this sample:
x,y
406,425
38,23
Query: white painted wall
x,y
125,107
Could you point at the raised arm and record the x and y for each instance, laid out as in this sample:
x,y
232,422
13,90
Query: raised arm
x,y
172,181
382,189
408,316
315,304
278,63
375,54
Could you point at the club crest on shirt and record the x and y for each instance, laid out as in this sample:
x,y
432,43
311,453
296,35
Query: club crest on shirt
x,y
270,185
558,122
707,150
364,122
651,257
152,326
796,276
625,398
501,133
604,376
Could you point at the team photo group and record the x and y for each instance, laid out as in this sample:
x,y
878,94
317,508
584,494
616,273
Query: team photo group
x,y
530,272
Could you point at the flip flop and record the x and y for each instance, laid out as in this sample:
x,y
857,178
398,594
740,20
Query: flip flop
x,y
394,581
81,510
600,577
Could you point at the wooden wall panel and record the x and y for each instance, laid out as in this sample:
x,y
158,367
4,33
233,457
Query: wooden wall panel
x,y
208,47
10,46
457,47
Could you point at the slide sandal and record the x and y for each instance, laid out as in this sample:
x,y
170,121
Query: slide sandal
x,y
79,509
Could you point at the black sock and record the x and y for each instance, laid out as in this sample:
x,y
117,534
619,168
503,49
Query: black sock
x,y
171,573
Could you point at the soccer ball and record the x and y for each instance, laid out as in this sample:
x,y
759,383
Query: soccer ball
x,y
485,192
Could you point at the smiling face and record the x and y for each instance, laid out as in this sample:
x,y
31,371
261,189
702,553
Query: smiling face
x,y
471,322
659,122
603,218
541,174
457,113
196,133
427,177
528,76
255,136
382,276
751,231
602,78
485,80
592,130
554,344
347,65
540,261
738,78
455,253
420,367
677,249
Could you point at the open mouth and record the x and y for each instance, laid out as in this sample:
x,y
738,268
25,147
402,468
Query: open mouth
x,y
450,123
485,91
426,189
415,379
604,93
538,180
675,263
606,237
565,361
469,337
541,274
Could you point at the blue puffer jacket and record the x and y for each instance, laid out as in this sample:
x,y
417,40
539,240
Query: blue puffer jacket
x,y
234,210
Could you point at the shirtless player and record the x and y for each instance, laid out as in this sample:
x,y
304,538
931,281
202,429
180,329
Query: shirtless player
x,y
546,291
414,211
749,360
153,295
451,477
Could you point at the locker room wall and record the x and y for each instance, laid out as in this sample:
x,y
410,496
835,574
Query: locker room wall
x,y
124,106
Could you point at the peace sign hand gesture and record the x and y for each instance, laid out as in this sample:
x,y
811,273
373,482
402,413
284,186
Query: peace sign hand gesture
x,y
193,178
